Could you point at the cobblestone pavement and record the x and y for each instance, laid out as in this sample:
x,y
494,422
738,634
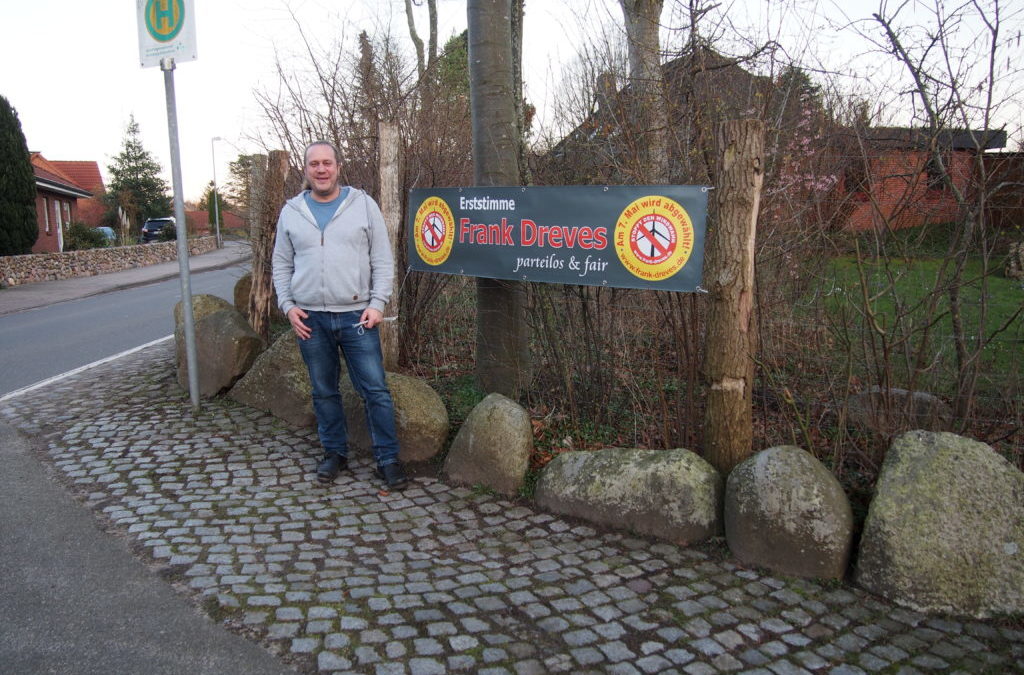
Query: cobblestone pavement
x,y
440,579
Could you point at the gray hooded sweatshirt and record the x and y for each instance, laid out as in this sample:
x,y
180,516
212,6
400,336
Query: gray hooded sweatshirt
x,y
346,267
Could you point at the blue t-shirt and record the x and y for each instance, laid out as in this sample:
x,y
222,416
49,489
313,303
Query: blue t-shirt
x,y
322,211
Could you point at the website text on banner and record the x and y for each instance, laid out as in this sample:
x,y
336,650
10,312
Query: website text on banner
x,y
647,236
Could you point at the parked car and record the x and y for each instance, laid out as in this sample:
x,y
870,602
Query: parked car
x,y
152,227
109,236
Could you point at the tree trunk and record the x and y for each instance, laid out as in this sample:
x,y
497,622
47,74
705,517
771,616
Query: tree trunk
x,y
417,42
432,38
391,207
650,115
424,62
271,200
517,88
257,176
731,343
502,350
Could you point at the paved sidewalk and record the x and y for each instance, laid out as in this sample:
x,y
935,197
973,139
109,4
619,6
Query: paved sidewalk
x,y
73,599
438,579
44,293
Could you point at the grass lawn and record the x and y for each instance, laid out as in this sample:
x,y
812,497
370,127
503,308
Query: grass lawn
x,y
899,293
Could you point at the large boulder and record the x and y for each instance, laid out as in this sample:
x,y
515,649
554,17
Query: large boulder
x,y
279,383
887,412
421,419
945,531
226,346
785,511
670,494
243,287
493,446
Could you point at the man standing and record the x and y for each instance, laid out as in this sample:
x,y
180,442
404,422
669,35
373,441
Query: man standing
x,y
333,273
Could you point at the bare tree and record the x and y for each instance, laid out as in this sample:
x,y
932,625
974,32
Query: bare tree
x,y
341,93
955,87
643,20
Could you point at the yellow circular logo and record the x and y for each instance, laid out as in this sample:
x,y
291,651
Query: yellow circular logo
x,y
654,237
164,19
435,231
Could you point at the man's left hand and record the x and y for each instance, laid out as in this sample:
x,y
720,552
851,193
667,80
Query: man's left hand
x,y
371,317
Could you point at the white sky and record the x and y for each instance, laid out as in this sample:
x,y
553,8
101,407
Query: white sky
x,y
71,69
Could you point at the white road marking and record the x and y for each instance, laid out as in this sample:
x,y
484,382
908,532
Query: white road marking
x,y
80,369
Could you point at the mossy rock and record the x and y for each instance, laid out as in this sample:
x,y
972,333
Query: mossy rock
x,y
945,531
670,494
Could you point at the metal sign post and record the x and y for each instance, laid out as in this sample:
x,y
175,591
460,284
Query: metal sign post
x,y
167,65
166,32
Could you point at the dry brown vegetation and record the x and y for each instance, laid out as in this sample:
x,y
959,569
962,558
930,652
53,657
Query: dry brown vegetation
x,y
624,367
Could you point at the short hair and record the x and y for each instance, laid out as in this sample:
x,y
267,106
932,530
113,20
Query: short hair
x,y
332,146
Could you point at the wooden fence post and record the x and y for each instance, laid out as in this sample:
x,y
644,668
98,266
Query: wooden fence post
x,y
391,207
264,228
731,342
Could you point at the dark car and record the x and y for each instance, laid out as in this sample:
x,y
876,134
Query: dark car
x,y
153,227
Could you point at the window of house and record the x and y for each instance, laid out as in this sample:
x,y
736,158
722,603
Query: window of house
x,y
67,212
56,212
934,175
46,214
856,179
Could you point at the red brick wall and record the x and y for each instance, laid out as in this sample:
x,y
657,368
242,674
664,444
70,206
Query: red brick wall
x,y
201,222
900,194
49,239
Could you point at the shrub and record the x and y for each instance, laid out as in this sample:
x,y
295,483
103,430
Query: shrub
x,y
168,233
81,236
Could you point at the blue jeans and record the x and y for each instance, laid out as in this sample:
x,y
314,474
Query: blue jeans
x,y
363,357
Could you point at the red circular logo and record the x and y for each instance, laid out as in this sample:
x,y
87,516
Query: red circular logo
x,y
652,239
434,231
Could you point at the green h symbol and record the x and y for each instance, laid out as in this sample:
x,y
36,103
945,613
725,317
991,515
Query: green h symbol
x,y
164,19
162,10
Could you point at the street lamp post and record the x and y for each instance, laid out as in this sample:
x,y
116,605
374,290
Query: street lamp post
x,y
216,195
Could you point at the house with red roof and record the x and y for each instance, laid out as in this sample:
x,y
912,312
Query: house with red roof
x,y
86,174
57,196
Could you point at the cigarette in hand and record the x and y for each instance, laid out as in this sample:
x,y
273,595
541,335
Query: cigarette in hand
x,y
386,318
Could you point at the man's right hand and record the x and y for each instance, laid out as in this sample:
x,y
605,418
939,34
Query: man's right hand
x,y
295,317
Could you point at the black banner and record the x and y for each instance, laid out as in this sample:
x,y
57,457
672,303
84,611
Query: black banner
x,y
625,236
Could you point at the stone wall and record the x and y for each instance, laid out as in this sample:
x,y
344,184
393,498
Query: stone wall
x,y
26,269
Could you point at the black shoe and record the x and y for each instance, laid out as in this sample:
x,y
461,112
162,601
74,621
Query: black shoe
x,y
329,468
393,476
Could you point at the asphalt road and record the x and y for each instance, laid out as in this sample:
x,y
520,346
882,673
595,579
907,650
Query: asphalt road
x,y
41,343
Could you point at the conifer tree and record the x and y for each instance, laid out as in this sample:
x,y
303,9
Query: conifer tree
x,y
239,185
18,228
136,185
206,202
